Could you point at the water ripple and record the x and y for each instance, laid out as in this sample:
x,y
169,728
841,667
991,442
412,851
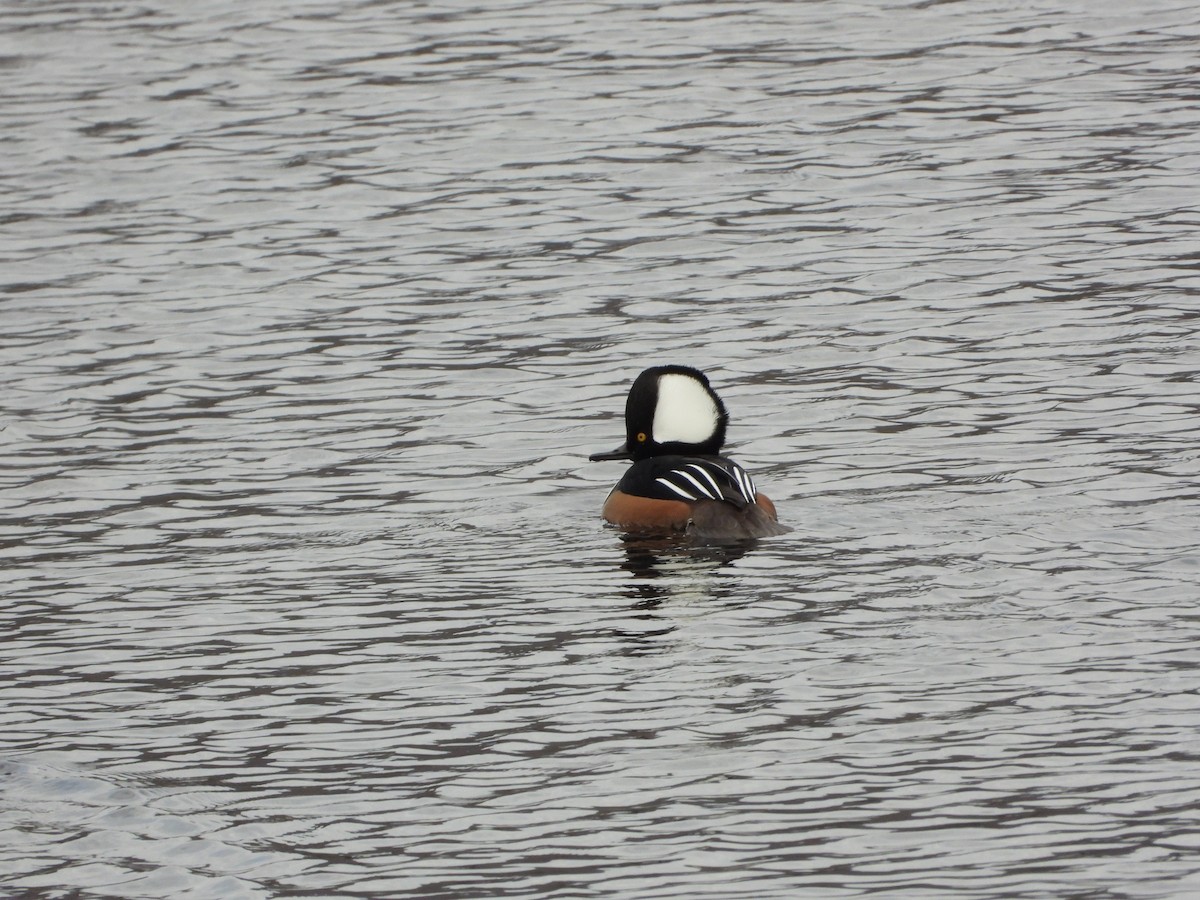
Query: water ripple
x,y
312,316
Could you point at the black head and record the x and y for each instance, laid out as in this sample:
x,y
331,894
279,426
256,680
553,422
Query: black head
x,y
671,409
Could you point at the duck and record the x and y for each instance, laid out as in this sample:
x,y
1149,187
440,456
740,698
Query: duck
x,y
679,482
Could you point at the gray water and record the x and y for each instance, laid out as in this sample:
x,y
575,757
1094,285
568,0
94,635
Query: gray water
x,y
312,312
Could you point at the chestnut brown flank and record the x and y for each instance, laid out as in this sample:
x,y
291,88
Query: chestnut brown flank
x,y
629,511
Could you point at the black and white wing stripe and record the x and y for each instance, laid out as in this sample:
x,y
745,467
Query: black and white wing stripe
x,y
704,479
745,482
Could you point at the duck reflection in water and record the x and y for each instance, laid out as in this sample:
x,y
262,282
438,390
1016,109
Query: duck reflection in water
x,y
673,566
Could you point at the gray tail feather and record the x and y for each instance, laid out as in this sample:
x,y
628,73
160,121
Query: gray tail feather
x,y
714,520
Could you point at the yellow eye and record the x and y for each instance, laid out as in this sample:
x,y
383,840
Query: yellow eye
x,y
641,437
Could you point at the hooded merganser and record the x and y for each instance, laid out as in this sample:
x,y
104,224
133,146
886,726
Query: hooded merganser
x,y
674,429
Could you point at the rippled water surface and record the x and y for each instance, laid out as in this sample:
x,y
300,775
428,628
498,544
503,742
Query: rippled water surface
x,y
312,312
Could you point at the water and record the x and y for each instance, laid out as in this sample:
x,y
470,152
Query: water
x,y
312,312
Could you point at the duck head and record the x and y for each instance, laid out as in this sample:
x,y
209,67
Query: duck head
x,y
671,409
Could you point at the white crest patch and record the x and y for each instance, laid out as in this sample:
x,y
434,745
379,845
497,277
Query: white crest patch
x,y
685,412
